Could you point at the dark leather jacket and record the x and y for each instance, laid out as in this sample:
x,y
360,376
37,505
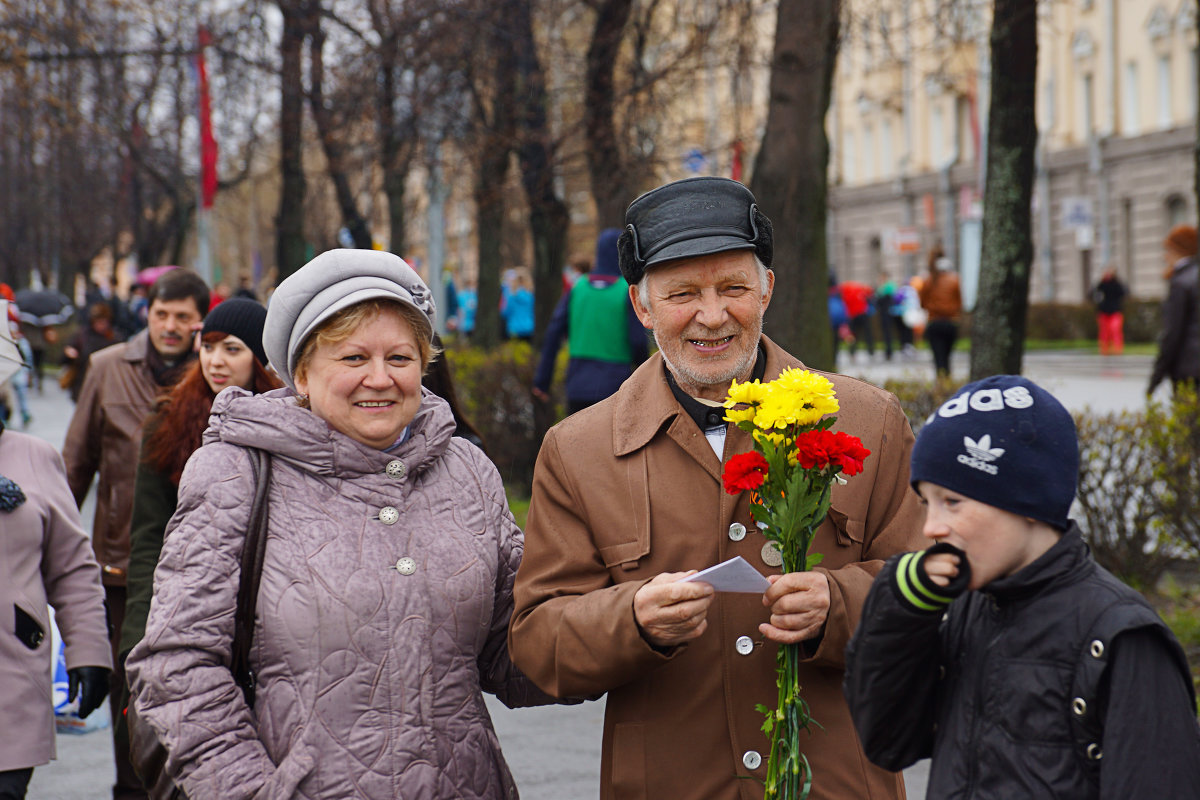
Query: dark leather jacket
x,y
1179,341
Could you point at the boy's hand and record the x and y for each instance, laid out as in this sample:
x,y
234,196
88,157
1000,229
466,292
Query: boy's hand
x,y
941,568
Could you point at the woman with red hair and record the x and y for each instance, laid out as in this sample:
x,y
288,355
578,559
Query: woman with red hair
x,y
1179,342
231,354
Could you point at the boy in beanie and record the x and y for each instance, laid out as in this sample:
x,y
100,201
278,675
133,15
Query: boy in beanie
x,y
1004,652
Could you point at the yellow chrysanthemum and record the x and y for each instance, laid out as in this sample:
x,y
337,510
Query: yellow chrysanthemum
x,y
796,397
741,415
751,392
769,436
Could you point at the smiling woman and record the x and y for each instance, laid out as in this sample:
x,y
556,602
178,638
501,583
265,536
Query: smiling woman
x,y
390,558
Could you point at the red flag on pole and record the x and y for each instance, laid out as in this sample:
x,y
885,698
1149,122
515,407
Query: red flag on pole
x,y
208,142
739,151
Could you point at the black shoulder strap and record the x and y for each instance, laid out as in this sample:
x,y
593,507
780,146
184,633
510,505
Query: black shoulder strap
x,y
252,560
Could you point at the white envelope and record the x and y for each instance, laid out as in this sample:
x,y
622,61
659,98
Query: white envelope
x,y
734,575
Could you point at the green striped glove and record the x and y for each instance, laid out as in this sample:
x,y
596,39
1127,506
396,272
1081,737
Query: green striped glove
x,y
915,588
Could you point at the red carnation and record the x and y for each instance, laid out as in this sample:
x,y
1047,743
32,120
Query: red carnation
x,y
819,449
745,471
850,453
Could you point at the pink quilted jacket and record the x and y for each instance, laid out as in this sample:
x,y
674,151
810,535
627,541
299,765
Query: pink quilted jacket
x,y
382,614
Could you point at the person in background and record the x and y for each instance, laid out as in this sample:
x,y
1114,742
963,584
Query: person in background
x,y
1004,651
385,590
857,297
47,560
21,382
605,340
1109,298
887,310
518,307
230,354
468,301
1179,341
578,267
627,499
439,380
839,320
942,300
104,436
93,336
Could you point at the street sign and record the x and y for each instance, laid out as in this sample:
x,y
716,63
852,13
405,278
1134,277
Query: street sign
x,y
1076,212
906,240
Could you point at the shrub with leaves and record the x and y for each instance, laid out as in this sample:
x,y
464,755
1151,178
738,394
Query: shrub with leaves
x,y
1115,505
494,390
920,399
1173,437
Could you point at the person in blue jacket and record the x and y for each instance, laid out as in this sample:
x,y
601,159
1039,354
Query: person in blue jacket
x,y
517,310
605,341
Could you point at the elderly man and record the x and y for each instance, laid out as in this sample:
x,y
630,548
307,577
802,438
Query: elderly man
x,y
105,435
627,499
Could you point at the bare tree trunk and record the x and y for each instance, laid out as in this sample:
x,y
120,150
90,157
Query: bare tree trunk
x,y
548,215
396,146
611,185
790,176
489,205
290,249
998,323
1196,149
329,130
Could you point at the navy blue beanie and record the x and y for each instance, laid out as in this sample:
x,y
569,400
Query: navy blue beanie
x,y
1004,441
243,318
606,262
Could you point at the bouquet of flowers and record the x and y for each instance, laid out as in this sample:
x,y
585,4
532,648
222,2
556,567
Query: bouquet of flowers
x,y
796,459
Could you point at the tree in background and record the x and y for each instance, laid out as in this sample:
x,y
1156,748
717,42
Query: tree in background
x,y
790,175
998,322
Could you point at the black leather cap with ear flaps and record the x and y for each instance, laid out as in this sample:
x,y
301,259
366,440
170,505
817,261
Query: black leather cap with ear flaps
x,y
689,218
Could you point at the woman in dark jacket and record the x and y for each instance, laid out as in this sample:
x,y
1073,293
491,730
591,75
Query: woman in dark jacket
x,y
1179,341
231,354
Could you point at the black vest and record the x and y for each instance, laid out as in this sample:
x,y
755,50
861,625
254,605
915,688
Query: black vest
x,y
1019,704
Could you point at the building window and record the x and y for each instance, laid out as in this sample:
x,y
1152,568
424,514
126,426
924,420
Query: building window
x,y
1129,100
849,154
1177,211
887,155
1164,91
1087,105
868,160
1192,84
937,137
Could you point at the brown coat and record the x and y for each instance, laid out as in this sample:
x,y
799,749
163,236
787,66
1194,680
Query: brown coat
x,y
630,488
940,295
44,558
105,435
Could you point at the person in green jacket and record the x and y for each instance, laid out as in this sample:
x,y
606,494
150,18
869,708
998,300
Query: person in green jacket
x,y
231,354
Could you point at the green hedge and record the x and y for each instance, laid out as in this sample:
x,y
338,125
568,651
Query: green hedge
x,y
1074,322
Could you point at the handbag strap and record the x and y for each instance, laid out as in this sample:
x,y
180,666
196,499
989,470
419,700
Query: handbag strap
x,y
253,551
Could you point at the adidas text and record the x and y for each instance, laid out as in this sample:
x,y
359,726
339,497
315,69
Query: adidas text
x,y
977,464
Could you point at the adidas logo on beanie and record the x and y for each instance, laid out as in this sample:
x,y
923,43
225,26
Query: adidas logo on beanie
x,y
1004,441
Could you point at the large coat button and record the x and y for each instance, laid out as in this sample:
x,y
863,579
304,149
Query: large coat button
x,y
388,515
744,645
737,532
396,468
751,759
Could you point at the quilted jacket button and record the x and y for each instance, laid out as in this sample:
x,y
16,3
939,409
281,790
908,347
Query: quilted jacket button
x,y
406,566
396,469
388,515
